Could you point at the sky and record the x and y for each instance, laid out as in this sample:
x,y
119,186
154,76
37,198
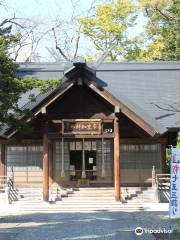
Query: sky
x,y
44,8
46,11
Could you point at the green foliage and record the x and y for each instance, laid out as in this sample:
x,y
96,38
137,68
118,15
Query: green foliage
x,y
168,154
162,29
110,22
178,141
12,87
108,26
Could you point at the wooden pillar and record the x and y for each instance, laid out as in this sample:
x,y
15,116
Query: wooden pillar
x,y
103,174
51,163
2,160
45,165
83,161
116,160
163,157
62,159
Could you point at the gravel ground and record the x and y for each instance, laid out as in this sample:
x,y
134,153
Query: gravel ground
x,y
77,226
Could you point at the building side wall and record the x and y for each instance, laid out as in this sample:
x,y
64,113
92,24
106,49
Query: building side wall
x,y
137,160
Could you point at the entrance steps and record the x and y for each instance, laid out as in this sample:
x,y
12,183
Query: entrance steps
x,y
84,199
3,197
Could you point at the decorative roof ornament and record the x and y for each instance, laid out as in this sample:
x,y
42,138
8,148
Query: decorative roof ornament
x,y
79,61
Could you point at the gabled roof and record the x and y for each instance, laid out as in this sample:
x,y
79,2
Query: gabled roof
x,y
150,90
155,87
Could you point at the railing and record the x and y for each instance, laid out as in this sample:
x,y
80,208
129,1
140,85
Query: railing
x,y
163,181
7,187
161,184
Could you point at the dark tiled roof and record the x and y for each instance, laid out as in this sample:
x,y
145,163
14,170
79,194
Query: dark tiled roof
x,y
155,91
151,90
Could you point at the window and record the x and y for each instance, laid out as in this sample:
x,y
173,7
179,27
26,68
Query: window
x,y
142,156
23,158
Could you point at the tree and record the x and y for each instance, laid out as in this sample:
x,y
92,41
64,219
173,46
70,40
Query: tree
x,y
108,27
12,87
162,29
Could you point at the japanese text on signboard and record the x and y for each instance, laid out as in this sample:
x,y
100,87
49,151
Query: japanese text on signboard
x,y
82,127
175,183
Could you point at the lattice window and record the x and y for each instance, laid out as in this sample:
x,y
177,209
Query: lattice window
x,y
140,156
23,158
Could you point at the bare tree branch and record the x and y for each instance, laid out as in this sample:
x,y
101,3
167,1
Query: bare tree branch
x,y
11,21
77,45
57,47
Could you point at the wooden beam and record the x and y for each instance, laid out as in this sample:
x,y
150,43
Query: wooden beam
x,y
51,180
163,157
22,142
80,115
2,160
55,135
116,160
83,161
62,158
45,166
142,140
51,100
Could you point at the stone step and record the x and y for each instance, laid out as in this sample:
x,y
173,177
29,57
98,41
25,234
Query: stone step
x,y
52,207
86,199
80,209
26,211
71,206
3,198
83,200
91,195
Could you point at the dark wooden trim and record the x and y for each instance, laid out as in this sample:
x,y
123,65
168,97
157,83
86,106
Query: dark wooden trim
x,y
58,135
45,164
116,160
3,160
51,179
90,115
142,140
22,142
163,155
51,100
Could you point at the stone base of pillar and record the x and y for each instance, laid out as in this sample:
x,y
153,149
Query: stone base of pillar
x,y
45,199
103,174
83,174
63,174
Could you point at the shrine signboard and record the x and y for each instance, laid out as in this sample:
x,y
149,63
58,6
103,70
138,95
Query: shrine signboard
x,y
82,126
174,203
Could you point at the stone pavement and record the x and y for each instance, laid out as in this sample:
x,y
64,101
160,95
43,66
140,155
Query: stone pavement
x,y
81,226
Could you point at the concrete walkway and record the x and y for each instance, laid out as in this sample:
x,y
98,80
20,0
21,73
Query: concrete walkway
x,y
76,226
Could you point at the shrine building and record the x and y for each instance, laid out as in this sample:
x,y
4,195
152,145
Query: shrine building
x,y
104,126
